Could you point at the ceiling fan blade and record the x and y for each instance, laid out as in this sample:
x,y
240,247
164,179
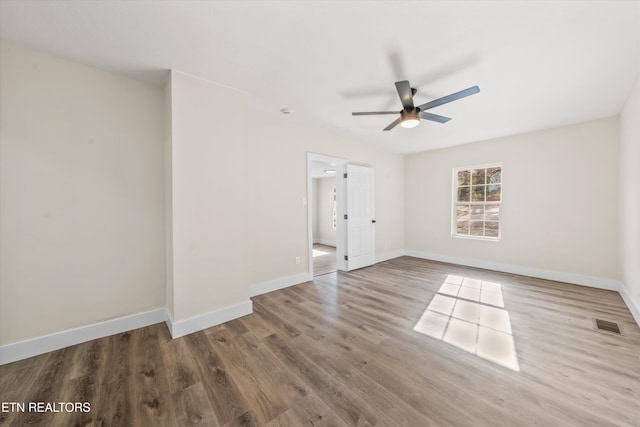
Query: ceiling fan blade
x,y
373,113
449,98
405,93
393,124
434,117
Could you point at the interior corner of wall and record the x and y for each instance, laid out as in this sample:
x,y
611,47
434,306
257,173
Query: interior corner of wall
x,y
169,319
632,303
206,320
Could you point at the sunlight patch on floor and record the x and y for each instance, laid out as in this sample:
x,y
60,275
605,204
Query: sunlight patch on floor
x,y
318,252
470,314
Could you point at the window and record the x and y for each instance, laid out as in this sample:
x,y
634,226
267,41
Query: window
x,y
333,203
477,195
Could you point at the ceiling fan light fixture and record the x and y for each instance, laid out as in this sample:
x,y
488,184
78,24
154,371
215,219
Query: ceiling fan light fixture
x,y
410,122
410,118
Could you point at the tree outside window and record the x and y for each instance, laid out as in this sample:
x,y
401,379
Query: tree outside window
x,y
477,201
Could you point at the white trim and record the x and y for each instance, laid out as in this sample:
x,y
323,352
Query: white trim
x,y
389,255
324,242
281,283
317,157
44,344
454,201
207,320
559,276
480,166
633,308
341,230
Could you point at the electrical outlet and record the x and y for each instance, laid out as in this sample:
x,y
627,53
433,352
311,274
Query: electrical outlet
x,y
297,260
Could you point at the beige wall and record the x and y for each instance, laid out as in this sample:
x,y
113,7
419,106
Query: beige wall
x,y
209,197
81,195
277,162
629,252
559,209
323,232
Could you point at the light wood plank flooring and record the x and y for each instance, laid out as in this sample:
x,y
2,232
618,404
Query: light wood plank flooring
x,y
324,259
406,342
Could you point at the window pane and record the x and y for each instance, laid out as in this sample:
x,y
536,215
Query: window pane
x,y
478,176
477,193
463,178
493,193
463,194
462,227
477,212
476,228
494,175
334,216
479,197
492,229
462,213
492,212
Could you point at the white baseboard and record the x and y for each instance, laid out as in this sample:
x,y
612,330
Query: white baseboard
x,y
283,282
633,307
207,320
559,276
35,346
389,255
324,242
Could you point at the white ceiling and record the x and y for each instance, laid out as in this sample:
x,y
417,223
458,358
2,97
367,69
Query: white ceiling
x,y
538,64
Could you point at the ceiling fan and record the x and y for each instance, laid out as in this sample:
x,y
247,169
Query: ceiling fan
x,y
410,115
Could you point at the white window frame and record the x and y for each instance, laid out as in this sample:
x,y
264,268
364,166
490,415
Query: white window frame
x,y
454,202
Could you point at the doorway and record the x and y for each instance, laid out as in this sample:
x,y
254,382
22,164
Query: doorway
x,y
326,234
355,235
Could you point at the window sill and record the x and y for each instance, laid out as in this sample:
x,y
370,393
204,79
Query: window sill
x,y
486,239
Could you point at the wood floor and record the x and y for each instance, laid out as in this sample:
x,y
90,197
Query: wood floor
x,y
387,345
324,259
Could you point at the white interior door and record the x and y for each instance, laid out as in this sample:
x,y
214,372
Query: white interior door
x,y
360,217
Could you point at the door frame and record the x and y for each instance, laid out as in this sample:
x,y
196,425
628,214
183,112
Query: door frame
x,y
341,231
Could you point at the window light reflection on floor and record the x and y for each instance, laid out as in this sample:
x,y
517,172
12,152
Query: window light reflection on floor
x,y
318,252
470,314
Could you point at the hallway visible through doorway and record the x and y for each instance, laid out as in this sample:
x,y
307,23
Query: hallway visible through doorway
x,y
324,259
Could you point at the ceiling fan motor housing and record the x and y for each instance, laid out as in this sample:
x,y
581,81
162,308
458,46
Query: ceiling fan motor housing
x,y
410,113
410,117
